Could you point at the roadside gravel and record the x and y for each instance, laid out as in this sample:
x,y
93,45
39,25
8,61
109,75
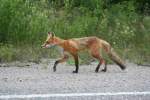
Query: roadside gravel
x,y
31,78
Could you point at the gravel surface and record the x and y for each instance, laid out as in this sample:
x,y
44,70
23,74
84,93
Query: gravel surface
x,y
31,78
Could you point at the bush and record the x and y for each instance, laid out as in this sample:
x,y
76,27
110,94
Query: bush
x,y
24,24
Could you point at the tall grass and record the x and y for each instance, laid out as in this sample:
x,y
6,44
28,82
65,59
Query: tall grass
x,y
24,23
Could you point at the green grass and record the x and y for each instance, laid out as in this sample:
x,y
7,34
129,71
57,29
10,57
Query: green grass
x,y
34,54
25,53
24,24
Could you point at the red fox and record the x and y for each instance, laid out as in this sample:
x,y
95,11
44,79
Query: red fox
x,y
74,45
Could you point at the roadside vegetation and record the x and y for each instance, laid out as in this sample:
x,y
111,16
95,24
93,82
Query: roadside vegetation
x,y
123,23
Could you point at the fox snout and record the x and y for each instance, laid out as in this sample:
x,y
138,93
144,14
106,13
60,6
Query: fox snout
x,y
48,45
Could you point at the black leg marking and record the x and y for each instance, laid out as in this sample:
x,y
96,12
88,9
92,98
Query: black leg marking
x,y
54,67
97,68
60,61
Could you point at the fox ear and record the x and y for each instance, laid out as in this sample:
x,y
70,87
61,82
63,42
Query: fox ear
x,y
51,33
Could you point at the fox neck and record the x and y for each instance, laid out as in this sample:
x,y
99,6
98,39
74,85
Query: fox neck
x,y
59,41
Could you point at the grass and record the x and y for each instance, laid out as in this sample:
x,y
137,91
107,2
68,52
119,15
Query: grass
x,y
25,53
34,54
24,25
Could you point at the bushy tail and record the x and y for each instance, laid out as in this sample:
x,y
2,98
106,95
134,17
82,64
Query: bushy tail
x,y
113,55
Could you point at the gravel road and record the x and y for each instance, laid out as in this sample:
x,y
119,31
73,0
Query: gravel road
x,y
30,78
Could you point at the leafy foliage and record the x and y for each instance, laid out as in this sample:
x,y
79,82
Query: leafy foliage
x,y
125,24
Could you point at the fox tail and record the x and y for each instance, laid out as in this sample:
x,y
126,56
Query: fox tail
x,y
114,57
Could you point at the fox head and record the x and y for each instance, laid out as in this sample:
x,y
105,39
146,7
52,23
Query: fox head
x,y
50,41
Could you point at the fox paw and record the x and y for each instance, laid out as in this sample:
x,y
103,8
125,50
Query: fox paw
x,y
75,72
96,71
103,70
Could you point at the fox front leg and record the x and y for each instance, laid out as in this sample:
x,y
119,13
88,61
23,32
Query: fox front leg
x,y
60,61
76,63
54,67
63,59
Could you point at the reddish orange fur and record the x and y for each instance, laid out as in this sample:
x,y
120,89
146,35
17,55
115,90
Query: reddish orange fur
x,y
74,45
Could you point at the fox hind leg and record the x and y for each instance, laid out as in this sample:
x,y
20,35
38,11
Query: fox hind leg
x,y
101,61
105,67
96,54
97,68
